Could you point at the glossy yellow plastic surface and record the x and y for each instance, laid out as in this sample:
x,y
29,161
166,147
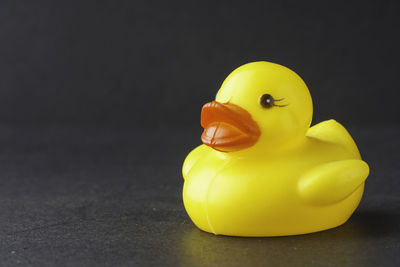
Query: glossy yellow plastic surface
x,y
293,180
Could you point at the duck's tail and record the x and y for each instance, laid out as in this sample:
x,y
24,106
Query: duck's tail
x,y
333,132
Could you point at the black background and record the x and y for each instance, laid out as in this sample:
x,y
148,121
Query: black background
x,y
155,63
100,103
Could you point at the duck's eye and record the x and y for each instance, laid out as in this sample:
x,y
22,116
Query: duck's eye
x,y
267,101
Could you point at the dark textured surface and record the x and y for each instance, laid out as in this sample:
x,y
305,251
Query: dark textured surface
x,y
73,196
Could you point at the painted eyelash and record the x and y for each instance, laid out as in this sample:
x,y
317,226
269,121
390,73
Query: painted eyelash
x,y
281,106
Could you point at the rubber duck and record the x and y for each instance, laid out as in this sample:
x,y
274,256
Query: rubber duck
x,y
262,170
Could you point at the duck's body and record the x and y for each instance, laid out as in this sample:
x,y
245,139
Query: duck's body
x,y
313,184
269,181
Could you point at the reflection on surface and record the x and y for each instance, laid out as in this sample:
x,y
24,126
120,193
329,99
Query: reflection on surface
x,y
349,244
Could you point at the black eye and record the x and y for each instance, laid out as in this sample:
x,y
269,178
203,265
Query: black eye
x,y
267,101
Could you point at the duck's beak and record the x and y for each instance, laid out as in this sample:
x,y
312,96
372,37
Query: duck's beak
x,y
228,127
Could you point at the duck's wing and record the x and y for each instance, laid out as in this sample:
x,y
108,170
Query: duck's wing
x,y
333,132
332,182
192,158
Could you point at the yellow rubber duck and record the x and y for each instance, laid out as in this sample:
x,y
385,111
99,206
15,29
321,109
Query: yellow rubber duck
x,y
262,171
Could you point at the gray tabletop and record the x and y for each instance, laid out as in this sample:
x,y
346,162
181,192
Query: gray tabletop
x,y
90,196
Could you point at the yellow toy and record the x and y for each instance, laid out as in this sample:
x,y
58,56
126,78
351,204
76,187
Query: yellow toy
x,y
261,170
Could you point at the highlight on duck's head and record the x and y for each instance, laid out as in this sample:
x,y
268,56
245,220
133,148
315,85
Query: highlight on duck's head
x,y
261,105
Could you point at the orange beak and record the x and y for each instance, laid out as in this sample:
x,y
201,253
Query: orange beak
x,y
228,127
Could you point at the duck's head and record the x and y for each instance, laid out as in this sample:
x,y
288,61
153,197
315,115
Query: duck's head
x,y
260,105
